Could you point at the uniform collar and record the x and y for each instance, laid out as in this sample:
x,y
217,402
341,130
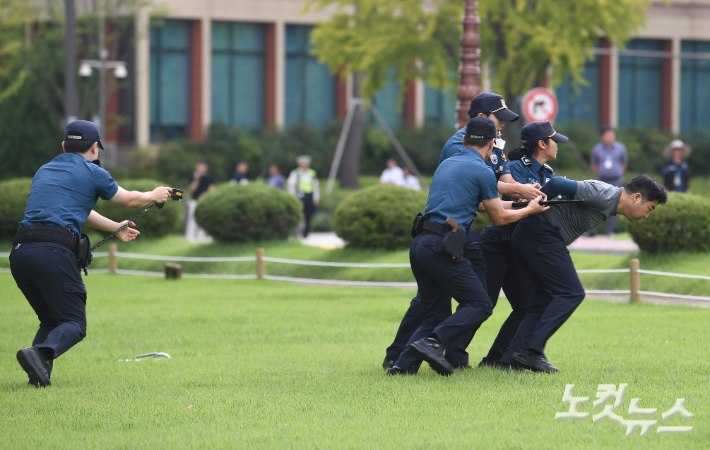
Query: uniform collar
x,y
473,152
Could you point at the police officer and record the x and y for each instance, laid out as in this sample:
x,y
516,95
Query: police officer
x,y
43,260
491,106
436,254
528,164
539,245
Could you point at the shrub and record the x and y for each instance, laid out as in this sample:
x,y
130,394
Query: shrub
x,y
681,224
12,206
154,224
234,213
379,217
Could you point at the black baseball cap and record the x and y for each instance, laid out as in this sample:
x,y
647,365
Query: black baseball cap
x,y
480,128
488,102
534,131
83,130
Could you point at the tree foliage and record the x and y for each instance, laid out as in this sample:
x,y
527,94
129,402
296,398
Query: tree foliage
x,y
521,39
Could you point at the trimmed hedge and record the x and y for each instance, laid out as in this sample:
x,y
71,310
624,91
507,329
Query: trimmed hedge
x,y
379,217
156,223
681,224
12,207
256,212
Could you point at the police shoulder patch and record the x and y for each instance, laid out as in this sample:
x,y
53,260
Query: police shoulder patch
x,y
494,158
526,161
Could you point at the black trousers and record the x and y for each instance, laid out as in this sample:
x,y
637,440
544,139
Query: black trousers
x,y
308,207
503,273
50,278
555,288
415,315
439,277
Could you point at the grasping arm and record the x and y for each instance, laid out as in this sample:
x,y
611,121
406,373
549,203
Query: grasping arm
x,y
135,199
500,214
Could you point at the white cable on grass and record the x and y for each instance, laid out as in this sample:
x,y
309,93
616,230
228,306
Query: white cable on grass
x,y
335,264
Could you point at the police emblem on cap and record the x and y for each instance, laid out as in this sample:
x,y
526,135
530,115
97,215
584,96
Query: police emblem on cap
x,y
494,158
502,102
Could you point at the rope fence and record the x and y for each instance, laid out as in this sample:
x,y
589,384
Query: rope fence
x,y
173,270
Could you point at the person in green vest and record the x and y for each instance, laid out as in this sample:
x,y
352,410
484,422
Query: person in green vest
x,y
302,182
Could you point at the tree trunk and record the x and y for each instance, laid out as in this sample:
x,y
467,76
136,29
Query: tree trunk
x,y
350,166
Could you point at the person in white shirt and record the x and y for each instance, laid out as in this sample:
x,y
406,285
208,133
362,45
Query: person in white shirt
x,y
393,174
410,181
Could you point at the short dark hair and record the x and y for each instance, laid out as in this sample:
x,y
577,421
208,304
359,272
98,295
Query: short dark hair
x,y
650,189
76,146
606,128
476,142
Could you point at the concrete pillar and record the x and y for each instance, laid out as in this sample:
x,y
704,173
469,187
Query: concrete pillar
x,y
206,72
614,88
675,86
419,117
280,74
142,81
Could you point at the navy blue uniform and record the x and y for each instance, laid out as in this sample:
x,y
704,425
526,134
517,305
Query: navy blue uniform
x,y
459,185
63,193
503,271
497,161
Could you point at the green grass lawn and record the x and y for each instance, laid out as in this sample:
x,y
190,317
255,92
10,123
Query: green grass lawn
x,y
274,365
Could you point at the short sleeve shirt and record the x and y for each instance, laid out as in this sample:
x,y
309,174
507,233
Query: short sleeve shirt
x,y
497,162
601,201
460,183
610,160
65,190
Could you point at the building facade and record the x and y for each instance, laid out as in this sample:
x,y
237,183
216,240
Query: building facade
x,y
248,63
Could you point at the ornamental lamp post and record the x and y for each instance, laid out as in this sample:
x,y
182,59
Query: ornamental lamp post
x,y
470,66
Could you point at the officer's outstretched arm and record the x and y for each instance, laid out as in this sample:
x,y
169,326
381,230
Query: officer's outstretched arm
x,y
135,199
99,222
501,216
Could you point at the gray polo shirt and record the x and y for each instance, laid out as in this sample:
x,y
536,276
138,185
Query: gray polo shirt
x,y
610,160
574,219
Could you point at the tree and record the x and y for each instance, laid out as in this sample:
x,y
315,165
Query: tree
x,y
521,39
14,14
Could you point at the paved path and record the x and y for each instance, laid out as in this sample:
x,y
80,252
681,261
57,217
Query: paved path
x,y
596,244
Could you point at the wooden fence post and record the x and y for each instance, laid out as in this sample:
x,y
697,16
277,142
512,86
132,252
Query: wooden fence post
x,y
635,280
112,258
260,263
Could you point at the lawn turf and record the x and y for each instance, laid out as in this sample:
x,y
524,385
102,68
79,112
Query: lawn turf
x,y
276,365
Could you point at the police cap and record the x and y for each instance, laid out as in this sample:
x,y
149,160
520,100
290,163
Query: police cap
x,y
534,131
480,128
488,102
83,130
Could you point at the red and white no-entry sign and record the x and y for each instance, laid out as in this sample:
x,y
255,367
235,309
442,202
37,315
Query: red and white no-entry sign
x,y
539,104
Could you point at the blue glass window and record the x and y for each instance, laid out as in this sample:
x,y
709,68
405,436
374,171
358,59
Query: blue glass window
x,y
238,68
170,80
581,104
310,87
440,106
695,90
640,86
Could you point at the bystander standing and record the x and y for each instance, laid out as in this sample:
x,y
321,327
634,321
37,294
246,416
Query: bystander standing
x,y
303,183
276,179
393,174
240,174
609,161
676,172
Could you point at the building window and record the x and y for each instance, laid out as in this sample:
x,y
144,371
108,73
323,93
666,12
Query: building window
x,y
387,103
695,90
440,106
170,80
238,69
310,87
641,86
581,104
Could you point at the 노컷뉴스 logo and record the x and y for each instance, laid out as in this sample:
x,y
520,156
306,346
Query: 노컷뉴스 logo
x,y
607,392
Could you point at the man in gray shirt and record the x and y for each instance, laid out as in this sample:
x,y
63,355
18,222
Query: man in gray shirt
x,y
609,161
539,244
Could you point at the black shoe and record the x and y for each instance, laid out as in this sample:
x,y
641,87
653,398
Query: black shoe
x,y
36,366
533,361
505,366
463,366
387,363
394,370
485,362
431,351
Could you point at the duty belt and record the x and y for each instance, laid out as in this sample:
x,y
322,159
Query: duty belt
x,y
46,233
435,227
